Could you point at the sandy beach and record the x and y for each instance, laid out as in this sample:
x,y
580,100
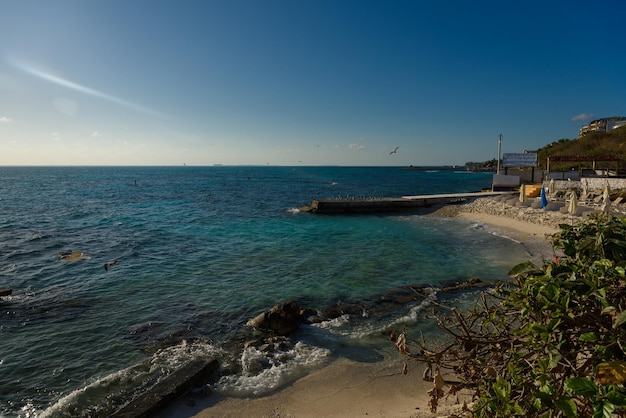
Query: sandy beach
x,y
346,388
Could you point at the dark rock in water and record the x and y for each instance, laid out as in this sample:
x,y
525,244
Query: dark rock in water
x,y
381,304
282,319
404,294
5,291
460,285
169,389
388,301
338,310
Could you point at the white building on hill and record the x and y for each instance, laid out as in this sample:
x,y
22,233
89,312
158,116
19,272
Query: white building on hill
x,y
603,125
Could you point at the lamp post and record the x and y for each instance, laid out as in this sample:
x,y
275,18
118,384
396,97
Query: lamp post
x,y
499,150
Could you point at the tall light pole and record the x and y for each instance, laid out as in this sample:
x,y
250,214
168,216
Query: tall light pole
x,y
499,151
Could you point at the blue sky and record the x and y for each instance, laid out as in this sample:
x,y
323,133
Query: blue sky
x,y
324,82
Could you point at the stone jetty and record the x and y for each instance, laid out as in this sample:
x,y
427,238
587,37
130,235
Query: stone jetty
x,y
382,205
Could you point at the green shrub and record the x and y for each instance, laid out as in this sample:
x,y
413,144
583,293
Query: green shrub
x,y
551,342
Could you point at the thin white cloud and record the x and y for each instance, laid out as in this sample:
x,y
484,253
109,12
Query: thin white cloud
x,y
4,119
83,89
96,133
582,116
357,147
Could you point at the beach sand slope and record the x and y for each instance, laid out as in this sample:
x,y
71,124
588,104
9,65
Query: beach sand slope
x,y
342,389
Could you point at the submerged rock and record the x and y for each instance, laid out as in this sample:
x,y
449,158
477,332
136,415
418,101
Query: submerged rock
x,y
390,300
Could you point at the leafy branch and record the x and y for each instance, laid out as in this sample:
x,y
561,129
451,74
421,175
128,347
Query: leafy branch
x,y
548,343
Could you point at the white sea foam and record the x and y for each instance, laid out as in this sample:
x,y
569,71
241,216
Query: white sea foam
x,y
501,235
334,323
344,326
115,389
493,231
413,315
263,373
19,295
8,268
478,225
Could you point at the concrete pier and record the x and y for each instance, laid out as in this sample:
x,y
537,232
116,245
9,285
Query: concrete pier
x,y
400,204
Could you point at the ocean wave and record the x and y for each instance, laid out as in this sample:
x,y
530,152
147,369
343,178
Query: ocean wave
x,y
359,327
264,372
105,395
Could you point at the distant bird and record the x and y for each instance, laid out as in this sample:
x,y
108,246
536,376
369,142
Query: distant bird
x,y
110,264
395,151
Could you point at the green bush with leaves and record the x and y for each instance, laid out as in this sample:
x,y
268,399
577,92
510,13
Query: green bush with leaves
x,y
550,342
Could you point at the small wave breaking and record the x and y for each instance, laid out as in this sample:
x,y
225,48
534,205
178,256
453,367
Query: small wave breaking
x,y
107,394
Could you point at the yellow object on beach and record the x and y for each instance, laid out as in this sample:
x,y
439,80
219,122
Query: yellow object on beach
x,y
533,190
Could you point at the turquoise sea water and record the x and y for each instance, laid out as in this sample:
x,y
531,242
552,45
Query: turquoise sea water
x,y
200,251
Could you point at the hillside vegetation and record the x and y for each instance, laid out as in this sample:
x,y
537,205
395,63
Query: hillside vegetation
x,y
596,144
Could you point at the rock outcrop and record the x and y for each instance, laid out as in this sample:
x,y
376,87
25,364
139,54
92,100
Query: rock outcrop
x,y
169,389
282,319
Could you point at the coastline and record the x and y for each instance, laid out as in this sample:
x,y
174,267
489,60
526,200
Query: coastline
x,y
344,388
349,388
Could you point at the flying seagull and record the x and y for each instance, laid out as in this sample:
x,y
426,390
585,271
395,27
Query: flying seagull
x,y
395,151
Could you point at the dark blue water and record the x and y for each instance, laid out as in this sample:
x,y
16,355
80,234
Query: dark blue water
x,y
200,250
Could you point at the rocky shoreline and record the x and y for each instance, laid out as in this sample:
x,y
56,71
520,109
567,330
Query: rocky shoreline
x,y
551,216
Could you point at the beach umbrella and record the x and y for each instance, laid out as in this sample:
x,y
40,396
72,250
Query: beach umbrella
x,y
522,193
606,205
544,199
573,203
606,193
551,187
606,198
585,187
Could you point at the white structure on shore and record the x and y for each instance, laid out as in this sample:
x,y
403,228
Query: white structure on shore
x,y
603,125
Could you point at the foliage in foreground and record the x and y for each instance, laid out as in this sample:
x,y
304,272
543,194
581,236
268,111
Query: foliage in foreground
x,y
549,343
